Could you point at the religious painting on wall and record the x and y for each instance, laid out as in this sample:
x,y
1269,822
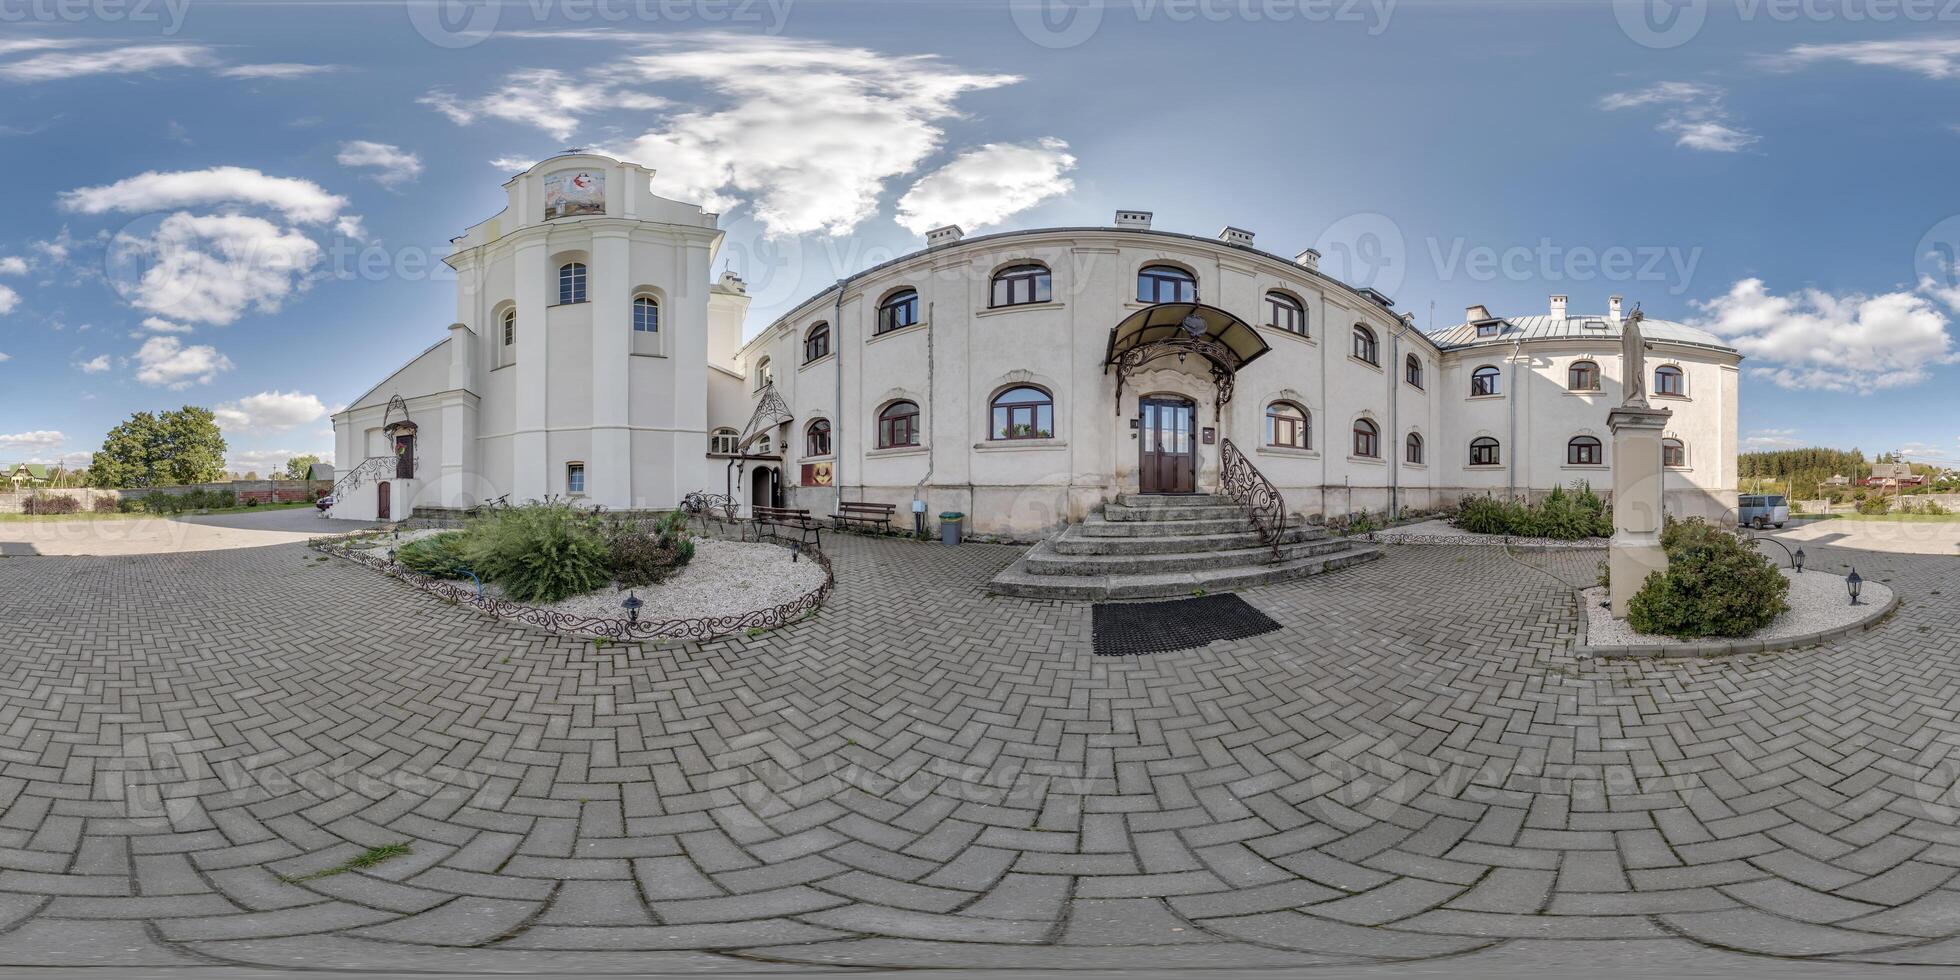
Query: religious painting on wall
x,y
574,192
816,474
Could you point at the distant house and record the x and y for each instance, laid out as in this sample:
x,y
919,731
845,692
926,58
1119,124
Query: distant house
x,y
320,471
1838,480
27,476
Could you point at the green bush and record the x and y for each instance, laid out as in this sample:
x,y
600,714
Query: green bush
x,y
540,552
1874,505
1716,584
52,503
643,553
440,555
106,505
1566,515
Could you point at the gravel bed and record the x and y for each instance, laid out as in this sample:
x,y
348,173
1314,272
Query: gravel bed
x,y
1440,531
379,547
1818,602
725,578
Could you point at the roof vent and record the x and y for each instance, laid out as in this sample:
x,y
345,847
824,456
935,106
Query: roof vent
x,y
1133,219
1309,258
1376,295
1595,324
1558,307
1235,236
944,235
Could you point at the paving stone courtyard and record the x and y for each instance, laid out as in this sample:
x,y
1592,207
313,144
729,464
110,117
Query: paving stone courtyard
x,y
195,746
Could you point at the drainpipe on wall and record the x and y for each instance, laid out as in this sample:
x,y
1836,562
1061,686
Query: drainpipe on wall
x,y
1394,447
918,489
837,425
1511,405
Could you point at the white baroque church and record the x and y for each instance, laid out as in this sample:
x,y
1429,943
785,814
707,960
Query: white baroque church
x,y
1023,378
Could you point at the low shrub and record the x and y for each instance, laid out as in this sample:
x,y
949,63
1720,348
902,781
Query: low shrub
x,y
1566,515
440,555
644,554
540,552
1716,584
1874,506
51,503
107,505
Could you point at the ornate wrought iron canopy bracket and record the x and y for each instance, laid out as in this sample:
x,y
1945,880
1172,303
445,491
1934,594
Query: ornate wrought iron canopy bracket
x,y
1224,365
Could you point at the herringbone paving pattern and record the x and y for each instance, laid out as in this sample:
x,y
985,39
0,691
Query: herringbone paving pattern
x,y
1414,767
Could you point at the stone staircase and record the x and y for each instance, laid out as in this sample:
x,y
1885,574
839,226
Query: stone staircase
x,y
1144,546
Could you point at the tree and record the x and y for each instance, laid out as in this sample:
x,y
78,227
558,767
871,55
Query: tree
x,y
299,467
148,450
250,475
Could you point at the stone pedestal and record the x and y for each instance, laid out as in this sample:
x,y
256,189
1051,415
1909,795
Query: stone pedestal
x,y
1635,550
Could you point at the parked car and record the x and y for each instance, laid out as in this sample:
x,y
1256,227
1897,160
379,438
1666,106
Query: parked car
x,y
323,503
1760,510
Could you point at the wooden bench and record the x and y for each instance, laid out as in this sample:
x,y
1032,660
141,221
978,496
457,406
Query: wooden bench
x,y
796,519
865,512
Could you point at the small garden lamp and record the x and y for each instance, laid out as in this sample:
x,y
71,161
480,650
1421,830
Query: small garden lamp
x,y
1855,584
795,551
1797,561
632,604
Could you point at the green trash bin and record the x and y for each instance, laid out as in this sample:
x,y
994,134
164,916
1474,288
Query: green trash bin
x,y
950,523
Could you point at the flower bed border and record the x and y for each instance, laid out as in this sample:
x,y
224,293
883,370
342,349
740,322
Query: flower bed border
x,y
696,628
1719,647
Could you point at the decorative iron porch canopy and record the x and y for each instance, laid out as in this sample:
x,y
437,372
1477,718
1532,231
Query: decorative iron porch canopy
x,y
1226,342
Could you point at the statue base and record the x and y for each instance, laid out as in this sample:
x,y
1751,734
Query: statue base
x,y
1638,489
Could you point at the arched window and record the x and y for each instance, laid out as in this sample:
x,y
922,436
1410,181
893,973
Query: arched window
x,y
762,445
1286,313
1485,381
510,327
816,438
1365,347
1668,380
1412,369
1367,439
900,309
1023,413
816,343
1288,426
1023,284
1412,449
1166,284
898,425
646,314
1673,453
1584,451
764,374
1483,452
724,440
571,283
1583,376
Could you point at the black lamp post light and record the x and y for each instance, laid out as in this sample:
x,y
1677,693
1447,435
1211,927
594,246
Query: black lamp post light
x,y
1855,584
1797,561
795,551
632,604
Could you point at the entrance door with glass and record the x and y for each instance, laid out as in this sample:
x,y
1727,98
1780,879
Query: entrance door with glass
x,y
1169,463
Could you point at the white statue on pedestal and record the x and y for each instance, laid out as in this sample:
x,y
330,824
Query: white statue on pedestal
x,y
1633,355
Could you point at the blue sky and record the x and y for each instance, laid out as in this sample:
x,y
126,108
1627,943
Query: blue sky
x,y
238,205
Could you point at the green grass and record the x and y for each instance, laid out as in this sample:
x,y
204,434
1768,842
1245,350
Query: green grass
x,y
139,515
366,859
1887,518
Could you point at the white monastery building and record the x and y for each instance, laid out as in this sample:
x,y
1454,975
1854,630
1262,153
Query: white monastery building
x,y
1024,378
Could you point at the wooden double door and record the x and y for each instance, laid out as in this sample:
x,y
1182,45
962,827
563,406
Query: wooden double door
x,y
1168,443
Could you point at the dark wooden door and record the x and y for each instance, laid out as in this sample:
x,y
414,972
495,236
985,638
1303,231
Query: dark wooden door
x,y
1170,454
405,457
381,502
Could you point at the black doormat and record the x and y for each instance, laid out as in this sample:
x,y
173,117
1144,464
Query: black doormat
x,y
1125,629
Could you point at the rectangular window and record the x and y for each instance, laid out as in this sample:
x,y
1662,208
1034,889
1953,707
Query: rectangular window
x,y
575,478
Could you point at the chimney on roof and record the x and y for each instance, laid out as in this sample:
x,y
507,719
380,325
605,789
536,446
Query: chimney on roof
x,y
1132,219
1558,307
944,235
1613,308
1235,236
1476,313
1309,258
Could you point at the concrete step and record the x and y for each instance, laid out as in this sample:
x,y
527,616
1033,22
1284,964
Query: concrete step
x,y
1148,500
1100,526
1171,539
1016,580
1046,559
1186,511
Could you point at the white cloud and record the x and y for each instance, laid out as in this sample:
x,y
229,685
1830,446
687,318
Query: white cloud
x,y
13,265
125,60
211,268
1693,114
158,324
277,70
393,164
350,226
1761,439
167,362
1814,340
8,300
301,201
1932,57
19,45
269,411
39,440
545,98
514,164
985,185
95,365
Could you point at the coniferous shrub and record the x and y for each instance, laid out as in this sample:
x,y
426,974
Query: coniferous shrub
x,y
1716,584
540,552
1566,515
440,555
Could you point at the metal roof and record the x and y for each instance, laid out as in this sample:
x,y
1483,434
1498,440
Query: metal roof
x,y
1586,326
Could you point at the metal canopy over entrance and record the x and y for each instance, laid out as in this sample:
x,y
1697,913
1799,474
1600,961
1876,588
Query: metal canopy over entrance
x,y
770,412
1226,342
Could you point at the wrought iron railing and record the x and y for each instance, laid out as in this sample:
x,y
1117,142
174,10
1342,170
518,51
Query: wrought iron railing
x,y
371,468
1243,482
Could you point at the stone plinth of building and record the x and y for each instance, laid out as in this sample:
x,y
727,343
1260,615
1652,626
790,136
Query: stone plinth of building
x,y
1635,550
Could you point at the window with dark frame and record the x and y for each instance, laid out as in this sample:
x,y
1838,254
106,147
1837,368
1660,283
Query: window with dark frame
x,y
1413,452
1166,284
1023,413
724,441
1583,376
571,283
1023,284
764,374
1483,452
1583,451
1286,313
1367,439
816,440
1365,347
1288,426
1485,380
899,310
646,314
1668,380
898,425
816,343
1673,453
510,327
1413,370
575,478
